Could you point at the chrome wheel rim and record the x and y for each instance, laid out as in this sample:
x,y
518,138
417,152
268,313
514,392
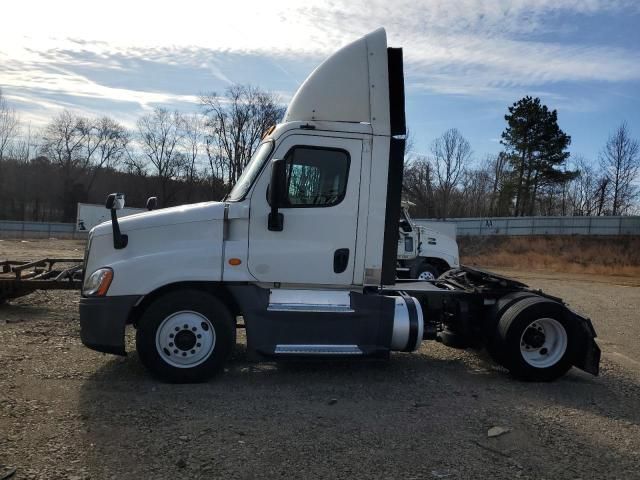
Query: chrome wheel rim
x,y
426,275
543,343
185,339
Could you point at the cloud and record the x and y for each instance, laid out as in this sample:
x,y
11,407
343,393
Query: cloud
x,y
139,54
463,65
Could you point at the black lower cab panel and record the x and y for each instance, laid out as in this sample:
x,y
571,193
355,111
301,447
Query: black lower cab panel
x,y
364,329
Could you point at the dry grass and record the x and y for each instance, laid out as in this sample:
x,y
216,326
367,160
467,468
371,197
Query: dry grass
x,y
571,254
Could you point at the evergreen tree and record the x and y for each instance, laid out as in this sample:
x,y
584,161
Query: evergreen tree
x,y
537,150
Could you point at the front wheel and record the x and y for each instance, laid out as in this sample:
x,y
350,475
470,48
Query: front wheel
x,y
185,336
425,272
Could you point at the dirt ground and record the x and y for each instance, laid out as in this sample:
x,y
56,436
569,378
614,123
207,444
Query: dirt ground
x,y
556,253
69,412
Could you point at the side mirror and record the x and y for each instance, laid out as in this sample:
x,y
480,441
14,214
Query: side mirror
x,y
115,201
152,203
277,193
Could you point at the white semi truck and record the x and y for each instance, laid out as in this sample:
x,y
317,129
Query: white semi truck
x,y
303,250
424,253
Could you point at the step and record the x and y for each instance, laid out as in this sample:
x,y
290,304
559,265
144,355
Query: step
x,y
318,350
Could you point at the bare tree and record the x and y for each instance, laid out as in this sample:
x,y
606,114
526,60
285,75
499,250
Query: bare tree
x,y
9,125
620,159
63,142
450,152
418,186
82,147
588,190
133,163
105,145
161,136
474,197
22,148
602,195
497,167
193,129
235,125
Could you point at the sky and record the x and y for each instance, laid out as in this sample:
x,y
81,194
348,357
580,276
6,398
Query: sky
x,y
466,61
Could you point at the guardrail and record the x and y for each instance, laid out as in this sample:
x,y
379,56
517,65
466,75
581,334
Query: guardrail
x,y
463,227
542,225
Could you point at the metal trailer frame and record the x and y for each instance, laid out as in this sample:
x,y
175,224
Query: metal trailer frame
x,y
20,278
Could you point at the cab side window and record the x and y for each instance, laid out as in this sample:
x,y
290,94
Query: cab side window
x,y
316,177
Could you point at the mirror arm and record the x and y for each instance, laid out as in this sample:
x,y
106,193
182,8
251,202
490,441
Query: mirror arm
x,y
276,220
113,203
120,241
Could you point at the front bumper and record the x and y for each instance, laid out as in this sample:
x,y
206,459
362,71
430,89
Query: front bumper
x,y
103,320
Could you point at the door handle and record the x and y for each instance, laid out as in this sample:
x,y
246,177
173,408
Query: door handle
x,y
340,260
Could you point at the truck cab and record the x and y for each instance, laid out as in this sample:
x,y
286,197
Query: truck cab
x,y
424,253
301,253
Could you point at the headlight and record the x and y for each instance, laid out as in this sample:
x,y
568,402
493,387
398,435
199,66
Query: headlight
x,y
97,284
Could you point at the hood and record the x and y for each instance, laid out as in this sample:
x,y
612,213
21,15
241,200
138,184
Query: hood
x,y
433,241
196,212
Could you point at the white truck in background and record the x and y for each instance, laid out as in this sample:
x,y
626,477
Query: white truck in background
x,y
88,215
304,250
424,253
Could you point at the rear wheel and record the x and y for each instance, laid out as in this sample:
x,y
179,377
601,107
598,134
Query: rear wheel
x,y
536,339
185,336
543,342
494,345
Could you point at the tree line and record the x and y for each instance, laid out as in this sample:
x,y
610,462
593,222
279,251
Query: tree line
x,y
534,174
190,157
178,157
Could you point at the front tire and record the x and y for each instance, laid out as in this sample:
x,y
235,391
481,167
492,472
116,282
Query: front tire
x,y
425,272
185,336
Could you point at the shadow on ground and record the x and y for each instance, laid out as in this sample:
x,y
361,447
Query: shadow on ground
x,y
417,416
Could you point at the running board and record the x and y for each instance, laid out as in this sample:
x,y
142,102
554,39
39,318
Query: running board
x,y
318,350
296,307
317,301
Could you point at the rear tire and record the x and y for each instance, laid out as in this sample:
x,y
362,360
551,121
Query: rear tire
x,y
494,345
536,339
185,336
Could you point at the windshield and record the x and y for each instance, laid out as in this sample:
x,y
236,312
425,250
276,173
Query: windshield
x,y
250,172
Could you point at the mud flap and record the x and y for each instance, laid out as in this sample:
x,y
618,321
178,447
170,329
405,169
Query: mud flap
x,y
588,352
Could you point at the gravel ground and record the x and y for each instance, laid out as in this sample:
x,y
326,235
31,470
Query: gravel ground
x,y
69,412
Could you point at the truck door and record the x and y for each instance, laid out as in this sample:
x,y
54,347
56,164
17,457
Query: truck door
x,y
318,239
